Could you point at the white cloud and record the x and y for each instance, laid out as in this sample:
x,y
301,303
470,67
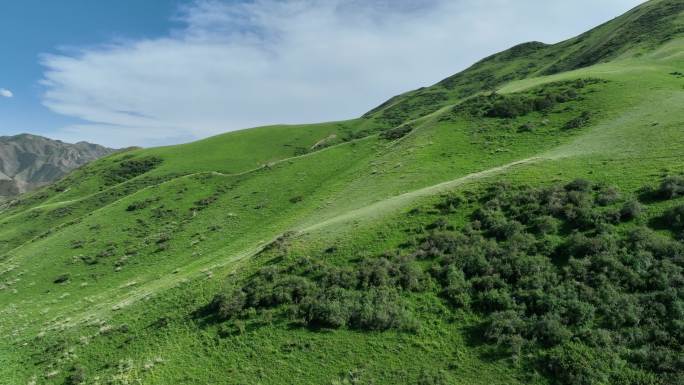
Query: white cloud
x,y
5,93
237,65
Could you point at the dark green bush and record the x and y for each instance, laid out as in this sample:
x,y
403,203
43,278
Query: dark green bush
x,y
228,306
576,364
450,203
365,297
76,376
204,203
581,185
380,309
139,205
396,133
608,196
510,107
578,122
631,209
433,378
62,278
675,217
671,187
131,168
331,308
542,99
545,224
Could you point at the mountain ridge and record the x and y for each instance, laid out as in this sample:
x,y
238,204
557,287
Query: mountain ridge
x,y
28,162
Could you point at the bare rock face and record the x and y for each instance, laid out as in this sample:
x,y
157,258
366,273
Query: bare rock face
x,y
28,161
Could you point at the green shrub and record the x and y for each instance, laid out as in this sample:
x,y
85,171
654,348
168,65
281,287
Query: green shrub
x,y
578,122
380,309
631,209
204,203
503,325
439,377
545,224
228,306
493,300
131,168
139,205
456,287
671,187
330,308
581,185
397,133
62,278
510,107
450,203
576,364
76,376
608,196
675,217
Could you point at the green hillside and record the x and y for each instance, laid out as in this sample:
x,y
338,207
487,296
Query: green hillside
x,y
521,222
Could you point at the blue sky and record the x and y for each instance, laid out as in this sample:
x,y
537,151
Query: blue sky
x,y
154,72
30,28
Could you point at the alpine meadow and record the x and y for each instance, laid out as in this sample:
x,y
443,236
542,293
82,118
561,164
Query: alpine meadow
x,y
520,222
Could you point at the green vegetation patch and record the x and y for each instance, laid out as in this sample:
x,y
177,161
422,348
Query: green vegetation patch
x,y
364,296
542,99
572,279
129,168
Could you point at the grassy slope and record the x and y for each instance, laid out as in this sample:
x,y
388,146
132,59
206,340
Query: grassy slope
x,y
354,195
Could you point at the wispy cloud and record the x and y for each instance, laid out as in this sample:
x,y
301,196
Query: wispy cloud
x,y
236,65
5,93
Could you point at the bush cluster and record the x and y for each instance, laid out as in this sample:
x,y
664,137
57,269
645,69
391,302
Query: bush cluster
x,y
516,105
365,296
130,168
554,276
396,133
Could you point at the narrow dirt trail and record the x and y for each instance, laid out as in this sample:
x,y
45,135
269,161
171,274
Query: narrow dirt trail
x,y
386,205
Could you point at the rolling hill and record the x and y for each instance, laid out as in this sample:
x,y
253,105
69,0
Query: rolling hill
x,y
520,222
28,162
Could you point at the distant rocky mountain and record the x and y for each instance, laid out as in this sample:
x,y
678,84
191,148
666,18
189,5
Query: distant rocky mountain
x,y
30,161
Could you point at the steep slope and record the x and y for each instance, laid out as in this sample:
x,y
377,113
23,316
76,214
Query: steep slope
x,y
213,262
28,162
640,30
